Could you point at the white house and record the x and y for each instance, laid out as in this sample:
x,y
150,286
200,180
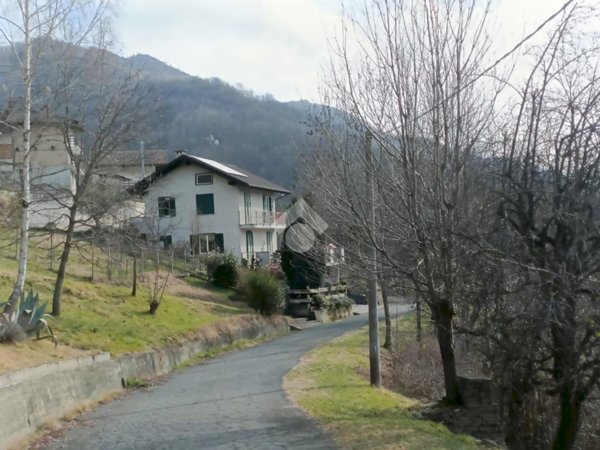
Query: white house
x,y
53,142
207,206
50,161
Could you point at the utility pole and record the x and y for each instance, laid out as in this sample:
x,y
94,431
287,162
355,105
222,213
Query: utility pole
x,y
374,364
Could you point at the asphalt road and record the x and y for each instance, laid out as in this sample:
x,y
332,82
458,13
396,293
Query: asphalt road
x,y
232,402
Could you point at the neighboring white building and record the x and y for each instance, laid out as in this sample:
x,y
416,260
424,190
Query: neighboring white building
x,y
206,206
51,166
50,161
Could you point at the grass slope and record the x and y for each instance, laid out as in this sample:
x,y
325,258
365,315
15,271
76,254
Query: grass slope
x,y
103,316
328,386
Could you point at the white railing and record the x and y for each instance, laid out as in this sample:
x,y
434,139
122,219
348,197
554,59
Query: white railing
x,y
256,217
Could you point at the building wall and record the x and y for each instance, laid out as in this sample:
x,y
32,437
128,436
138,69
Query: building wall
x,y
228,202
50,162
181,184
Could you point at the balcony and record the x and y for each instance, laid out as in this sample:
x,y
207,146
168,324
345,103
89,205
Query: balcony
x,y
257,218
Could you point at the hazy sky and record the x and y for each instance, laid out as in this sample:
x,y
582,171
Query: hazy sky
x,y
269,46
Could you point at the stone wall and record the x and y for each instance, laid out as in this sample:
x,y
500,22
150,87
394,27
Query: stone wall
x,y
34,396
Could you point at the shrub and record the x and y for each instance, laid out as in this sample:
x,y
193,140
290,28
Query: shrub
x,y
221,269
340,305
263,292
225,275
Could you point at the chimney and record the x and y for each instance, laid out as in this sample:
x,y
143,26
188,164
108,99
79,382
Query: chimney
x,y
179,152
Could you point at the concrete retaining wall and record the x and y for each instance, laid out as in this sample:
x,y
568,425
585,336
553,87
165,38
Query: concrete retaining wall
x,y
32,397
329,315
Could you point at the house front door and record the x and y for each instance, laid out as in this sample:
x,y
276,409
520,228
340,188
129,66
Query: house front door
x,y
249,245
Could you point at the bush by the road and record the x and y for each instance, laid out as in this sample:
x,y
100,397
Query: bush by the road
x,y
222,269
262,292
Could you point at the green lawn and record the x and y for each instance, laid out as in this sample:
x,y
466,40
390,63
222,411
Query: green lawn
x,y
327,385
103,316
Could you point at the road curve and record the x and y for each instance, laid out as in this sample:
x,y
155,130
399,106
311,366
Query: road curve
x,y
232,402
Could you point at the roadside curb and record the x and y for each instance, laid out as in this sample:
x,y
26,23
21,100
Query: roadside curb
x,y
42,394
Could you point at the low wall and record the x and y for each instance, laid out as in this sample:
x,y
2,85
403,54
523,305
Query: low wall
x,y
328,315
34,396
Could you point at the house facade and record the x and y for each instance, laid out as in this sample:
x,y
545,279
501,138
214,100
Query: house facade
x,y
53,143
205,206
50,161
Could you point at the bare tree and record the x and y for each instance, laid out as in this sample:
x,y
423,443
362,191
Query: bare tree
x,y
27,26
110,112
414,83
550,199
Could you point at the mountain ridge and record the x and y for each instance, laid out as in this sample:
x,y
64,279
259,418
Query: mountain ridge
x,y
207,117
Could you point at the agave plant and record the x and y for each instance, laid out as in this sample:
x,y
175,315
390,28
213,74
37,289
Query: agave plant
x,y
31,319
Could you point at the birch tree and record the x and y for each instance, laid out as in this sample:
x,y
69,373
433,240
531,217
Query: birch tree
x,y
27,26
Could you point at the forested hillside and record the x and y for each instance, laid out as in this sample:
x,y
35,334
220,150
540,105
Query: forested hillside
x,y
203,116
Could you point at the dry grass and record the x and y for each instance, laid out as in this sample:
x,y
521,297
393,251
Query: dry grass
x,y
34,353
415,369
328,385
103,316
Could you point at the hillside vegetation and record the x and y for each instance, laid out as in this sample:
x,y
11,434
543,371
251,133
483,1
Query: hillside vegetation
x,y
205,117
102,315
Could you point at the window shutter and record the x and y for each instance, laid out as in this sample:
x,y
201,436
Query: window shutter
x,y
205,204
220,242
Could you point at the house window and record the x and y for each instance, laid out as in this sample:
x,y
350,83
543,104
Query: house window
x,y
270,241
166,206
166,241
204,178
205,204
267,203
206,243
247,207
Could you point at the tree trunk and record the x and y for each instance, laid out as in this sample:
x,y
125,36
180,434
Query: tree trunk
x,y
513,433
109,264
15,296
93,264
566,370
134,288
443,320
419,322
570,418
153,307
62,268
387,344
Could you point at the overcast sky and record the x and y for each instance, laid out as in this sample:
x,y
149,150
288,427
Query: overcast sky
x,y
269,46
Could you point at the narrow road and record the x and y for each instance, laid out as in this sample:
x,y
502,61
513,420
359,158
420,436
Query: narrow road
x,y
232,402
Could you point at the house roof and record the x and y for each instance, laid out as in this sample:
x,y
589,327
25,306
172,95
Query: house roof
x,y
131,158
229,171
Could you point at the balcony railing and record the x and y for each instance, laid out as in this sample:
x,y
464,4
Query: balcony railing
x,y
257,217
